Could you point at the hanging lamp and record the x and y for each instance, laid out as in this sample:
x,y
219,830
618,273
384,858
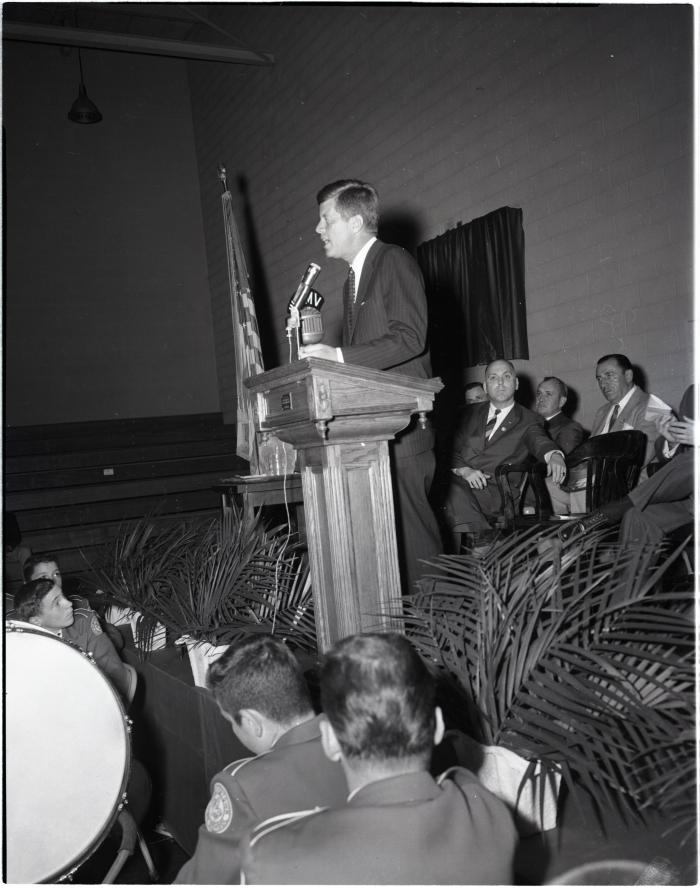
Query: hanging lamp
x,y
83,109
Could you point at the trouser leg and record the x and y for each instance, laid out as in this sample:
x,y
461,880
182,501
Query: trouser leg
x,y
418,534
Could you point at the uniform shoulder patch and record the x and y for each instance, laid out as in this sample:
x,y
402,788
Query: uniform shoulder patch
x,y
219,813
95,625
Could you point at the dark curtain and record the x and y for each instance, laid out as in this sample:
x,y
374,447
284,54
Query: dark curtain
x,y
475,281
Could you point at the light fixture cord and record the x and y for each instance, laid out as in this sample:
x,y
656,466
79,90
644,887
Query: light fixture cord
x,y
80,64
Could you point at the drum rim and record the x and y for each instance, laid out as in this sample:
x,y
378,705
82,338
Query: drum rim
x,y
67,870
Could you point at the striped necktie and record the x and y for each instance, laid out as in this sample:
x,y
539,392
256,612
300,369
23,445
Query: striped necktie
x,y
488,431
613,417
352,295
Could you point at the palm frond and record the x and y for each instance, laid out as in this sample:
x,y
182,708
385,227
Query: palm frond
x,y
574,654
211,579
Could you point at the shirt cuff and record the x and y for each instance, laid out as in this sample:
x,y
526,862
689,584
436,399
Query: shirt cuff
x,y
339,353
669,450
551,453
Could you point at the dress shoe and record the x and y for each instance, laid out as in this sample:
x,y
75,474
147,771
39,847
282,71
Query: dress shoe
x,y
594,521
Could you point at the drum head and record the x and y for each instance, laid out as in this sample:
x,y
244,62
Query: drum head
x,y
66,756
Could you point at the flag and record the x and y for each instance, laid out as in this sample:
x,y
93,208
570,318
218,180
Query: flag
x,y
246,336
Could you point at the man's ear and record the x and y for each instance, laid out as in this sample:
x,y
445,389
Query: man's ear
x,y
629,376
252,721
329,741
356,223
517,383
439,726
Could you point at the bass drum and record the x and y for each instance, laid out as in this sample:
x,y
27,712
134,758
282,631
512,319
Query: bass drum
x,y
67,754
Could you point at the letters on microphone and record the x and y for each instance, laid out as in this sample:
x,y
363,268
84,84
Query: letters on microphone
x,y
298,300
304,313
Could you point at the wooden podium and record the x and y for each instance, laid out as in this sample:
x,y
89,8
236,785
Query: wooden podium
x,y
340,419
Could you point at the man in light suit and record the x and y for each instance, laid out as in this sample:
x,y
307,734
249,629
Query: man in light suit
x,y
626,410
493,433
399,824
662,503
385,326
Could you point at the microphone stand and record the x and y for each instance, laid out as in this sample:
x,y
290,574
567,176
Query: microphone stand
x,y
293,323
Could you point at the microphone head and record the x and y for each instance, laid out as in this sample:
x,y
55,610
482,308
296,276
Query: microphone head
x,y
311,325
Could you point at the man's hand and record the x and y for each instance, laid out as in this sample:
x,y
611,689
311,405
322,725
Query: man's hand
x,y
556,468
327,352
663,424
682,431
474,477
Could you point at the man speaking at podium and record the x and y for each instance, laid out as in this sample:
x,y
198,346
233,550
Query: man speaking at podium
x,y
385,325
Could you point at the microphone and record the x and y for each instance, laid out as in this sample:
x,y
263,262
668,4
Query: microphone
x,y
311,320
299,298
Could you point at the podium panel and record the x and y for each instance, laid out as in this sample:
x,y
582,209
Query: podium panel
x,y
340,418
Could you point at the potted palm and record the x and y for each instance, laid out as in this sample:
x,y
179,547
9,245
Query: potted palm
x,y
206,582
577,659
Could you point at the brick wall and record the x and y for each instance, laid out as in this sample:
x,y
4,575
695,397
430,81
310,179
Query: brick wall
x,y
581,116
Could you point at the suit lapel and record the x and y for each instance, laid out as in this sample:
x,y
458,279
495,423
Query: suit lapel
x,y
364,288
624,414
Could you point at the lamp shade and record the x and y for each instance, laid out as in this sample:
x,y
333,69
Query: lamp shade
x,y
83,109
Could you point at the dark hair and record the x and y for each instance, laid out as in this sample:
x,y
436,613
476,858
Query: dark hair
x,y
353,198
563,390
260,672
622,361
379,697
32,562
30,596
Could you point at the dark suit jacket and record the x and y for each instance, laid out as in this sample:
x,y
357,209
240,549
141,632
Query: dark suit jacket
x,y
566,433
390,327
521,433
630,417
400,830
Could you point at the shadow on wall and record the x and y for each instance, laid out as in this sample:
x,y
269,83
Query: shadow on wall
x,y
402,228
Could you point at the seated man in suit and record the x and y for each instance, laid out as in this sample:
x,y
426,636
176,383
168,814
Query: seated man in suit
x,y
626,410
399,825
551,397
566,433
492,433
261,690
663,502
